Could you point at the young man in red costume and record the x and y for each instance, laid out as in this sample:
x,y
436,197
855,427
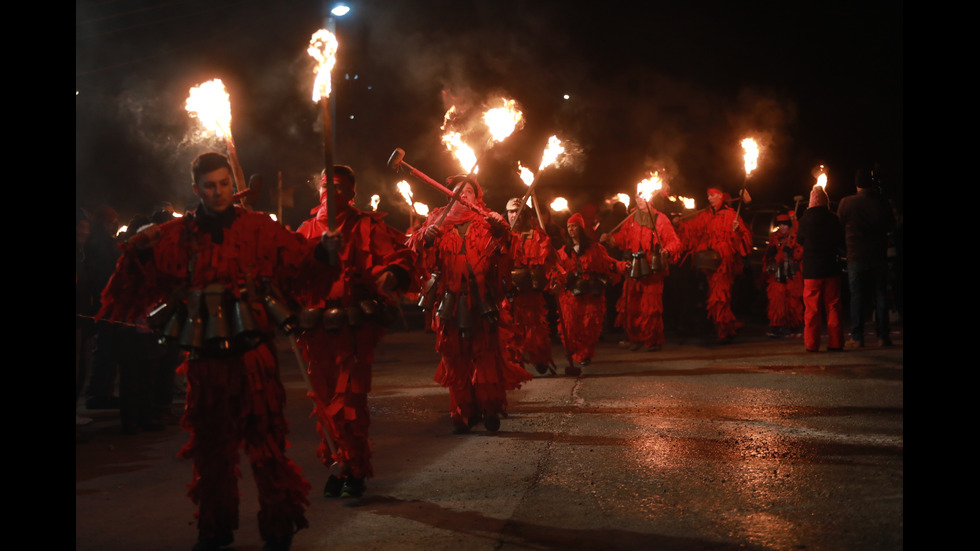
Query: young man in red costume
x,y
785,280
533,258
350,315
217,263
718,228
646,235
583,271
466,250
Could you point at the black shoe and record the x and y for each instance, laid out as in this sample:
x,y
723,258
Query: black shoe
x,y
278,544
460,427
333,486
223,539
585,362
541,368
491,422
353,487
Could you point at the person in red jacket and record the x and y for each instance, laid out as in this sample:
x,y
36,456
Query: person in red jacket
x,y
718,239
784,287
649,238
463,251
583,271
533,258
348,317
213,271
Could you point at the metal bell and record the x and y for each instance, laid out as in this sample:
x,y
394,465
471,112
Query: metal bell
x,y
447,307
217,329
280,314
192,332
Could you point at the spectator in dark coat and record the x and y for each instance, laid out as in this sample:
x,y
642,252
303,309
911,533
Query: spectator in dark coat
x,y
821,235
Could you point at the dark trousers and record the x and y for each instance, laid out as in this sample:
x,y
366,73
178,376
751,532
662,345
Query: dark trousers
x,y
868,281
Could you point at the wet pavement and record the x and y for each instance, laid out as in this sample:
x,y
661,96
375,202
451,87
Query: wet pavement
x,y
752,445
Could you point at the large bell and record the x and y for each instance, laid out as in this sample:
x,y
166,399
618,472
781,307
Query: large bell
x,y
280,314
192,332
659,261
447,307
640,267
464,316
217,328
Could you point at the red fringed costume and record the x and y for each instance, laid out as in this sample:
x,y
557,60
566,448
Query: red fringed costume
x,y
533,259
340,349
713,229
582,276
472,334
785,280
641,306
235,397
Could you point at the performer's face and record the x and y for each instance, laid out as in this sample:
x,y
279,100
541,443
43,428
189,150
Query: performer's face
x,y
466,194
344,191
574,231
716,199
511,216
215,190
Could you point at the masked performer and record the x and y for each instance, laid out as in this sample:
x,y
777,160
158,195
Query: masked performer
x,y
219,266
533,258
649,238
345,319
784,287
718,239
583,271
463,254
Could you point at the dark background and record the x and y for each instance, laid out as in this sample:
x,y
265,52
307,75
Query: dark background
x,y
651,86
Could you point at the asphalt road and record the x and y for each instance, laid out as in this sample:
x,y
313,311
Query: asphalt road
x,y
753,445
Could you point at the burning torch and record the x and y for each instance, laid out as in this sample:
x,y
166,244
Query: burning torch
x,y
551,153
751,162
209,103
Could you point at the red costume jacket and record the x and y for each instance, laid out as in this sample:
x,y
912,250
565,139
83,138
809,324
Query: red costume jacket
x,y
784,287
472,334
533,260
340,348
582,277
235,397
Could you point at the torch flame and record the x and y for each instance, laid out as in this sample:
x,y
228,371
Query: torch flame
x,y
526,175
688,202
502,121
209,102
375,199
323,48
646,188
421,209
551,152
559,204
822,181
751,155
463,153
623,198
405,190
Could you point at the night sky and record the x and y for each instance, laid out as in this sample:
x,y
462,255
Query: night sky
x,y
650,85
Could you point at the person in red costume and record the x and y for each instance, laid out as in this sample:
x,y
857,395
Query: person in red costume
x,y
349,317
463,252
222,263
719,237
785,280
584,269
649,237
533,258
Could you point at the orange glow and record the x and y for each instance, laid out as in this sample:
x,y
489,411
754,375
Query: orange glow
x,y
526,175
551,152
463,153
646,188
421,209
405,190
559,204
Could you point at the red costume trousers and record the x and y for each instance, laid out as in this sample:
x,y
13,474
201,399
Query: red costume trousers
x,y
785,307
822,297
581,323
641,310
340,373
719,302
235,403
532,336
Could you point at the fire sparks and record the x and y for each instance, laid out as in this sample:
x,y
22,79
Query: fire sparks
x,y
647,187
463,153
751,155
421,209
375,200
559,204
502,121
323,48
209,102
